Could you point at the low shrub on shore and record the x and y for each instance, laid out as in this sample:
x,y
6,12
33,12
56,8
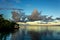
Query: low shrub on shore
x,y
6,24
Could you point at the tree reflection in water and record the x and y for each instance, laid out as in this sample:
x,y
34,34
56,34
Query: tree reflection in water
x,y
4,35
21,34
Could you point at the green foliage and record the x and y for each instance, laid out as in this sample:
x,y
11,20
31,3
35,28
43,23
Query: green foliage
x,y
6,24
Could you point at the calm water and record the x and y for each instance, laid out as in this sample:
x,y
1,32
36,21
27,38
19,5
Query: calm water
x,y
33,33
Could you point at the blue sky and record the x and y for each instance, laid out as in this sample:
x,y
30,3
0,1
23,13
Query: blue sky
x,y
48,7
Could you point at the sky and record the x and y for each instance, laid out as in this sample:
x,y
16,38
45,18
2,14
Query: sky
x,y
48,7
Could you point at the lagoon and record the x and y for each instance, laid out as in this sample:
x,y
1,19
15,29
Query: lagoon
x,y
33,33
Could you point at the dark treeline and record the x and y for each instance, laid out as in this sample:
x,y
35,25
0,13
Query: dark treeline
x,y
6,24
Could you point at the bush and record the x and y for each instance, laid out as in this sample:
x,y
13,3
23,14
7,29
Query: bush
x,y
6,24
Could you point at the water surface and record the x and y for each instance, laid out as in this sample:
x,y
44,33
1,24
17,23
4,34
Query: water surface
x,y
33,33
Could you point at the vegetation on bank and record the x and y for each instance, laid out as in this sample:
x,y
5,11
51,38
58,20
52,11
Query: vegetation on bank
x,y
6,24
